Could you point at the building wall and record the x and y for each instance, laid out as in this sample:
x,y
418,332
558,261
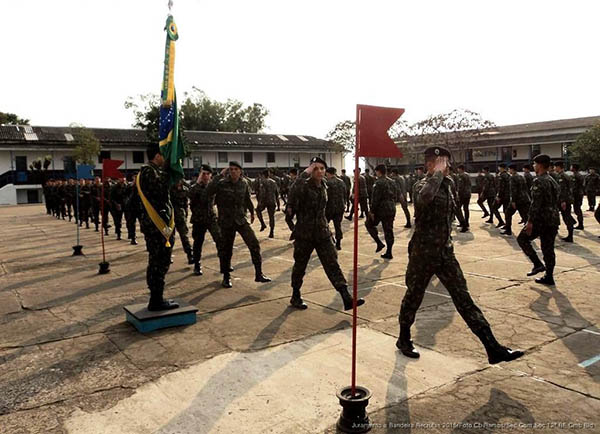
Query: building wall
x,y
554,150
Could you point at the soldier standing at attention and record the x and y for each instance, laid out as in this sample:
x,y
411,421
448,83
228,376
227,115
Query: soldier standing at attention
x,y
107,188
578,193
204,218
267,197
117,203
488,192
336,203
47,199
464,194
232,196
131,210
179,198
431,253
85,202
383,210
96,192
543,221
348,184
592,185
362,197
157,224
370,181
308,200
401,195
70,196
519,199
565,199
503,194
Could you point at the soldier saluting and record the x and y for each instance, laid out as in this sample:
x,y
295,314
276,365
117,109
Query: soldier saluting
x,y
431,253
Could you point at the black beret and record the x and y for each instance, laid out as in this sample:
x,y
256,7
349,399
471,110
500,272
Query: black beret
x,y
206,168
152,150
503,165
381,168
575,166
318,160
437,151
331,170
559,164
294,171
235,163
542,159
512,166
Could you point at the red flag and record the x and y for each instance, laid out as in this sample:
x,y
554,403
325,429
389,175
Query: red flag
x,y
373,124
110,169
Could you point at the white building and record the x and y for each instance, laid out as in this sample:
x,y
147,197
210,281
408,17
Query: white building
x,y
20,146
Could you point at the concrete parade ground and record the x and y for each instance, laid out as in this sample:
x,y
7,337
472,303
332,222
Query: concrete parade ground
x,y
70,363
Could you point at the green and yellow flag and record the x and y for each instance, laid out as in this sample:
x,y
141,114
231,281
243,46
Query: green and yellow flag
x,y
170,140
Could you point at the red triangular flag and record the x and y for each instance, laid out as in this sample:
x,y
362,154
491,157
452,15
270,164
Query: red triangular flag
x,y
373,124
110,169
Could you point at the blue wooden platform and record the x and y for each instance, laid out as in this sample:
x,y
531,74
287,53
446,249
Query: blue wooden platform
x,y
146,321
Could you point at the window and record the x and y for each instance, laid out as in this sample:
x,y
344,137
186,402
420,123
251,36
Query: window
x,y
535,150
222,157
469,156
197,161
104,155
21,163
270,157
247,157
138,157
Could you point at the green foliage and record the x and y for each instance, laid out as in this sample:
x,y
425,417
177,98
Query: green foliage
x,y
344,135
586,149
87,146
12,119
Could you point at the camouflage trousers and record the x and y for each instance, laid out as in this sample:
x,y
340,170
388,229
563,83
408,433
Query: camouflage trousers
x,y
423,264
363,206
387,223
199,233
523,209
404,206
577,202
337,223
591,200
270,210
464,203
182,230
117,216
228,233
327,253
547,235
568,219
130,219
159,261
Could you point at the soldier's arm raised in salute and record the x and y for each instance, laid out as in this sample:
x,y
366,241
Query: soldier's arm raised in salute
x,y
428,191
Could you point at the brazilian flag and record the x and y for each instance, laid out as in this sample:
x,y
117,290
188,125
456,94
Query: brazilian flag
x,y
169,137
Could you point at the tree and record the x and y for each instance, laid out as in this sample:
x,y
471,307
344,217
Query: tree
x,y
344,135
586,149
87,146
12,119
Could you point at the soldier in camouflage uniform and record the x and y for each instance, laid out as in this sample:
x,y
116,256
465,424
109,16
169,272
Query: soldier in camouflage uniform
x,y
204,218
289,218
578,193
488,193
552,172
528,176
232,196
479,184
308,201
431,253
154,183
464,195
336,203
383,210
401,195
370,181
131,210
592,186
565,200
117,205
348,184
502,194
543,221
267,197
70,192
179,199
85,202
107,209
61,192
47,199
363,200
519,199
410,182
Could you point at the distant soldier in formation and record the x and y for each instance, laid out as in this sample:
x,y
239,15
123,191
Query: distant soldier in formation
x,y
117,205
502,193
383,210
592,186
363,200
481,199
578,193
289,217
105,214
131,211
519,199
308,201
267,197
348,184
85,202
336,203
543,221
179,199
552,171
489,194
528,176
47,199
61,198
70,192
431,253
464,195
204,218
285,188
232,197
401,195
565,201
95,192
370,181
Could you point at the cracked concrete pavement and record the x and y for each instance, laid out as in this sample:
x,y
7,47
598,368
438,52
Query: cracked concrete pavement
x,y
72,364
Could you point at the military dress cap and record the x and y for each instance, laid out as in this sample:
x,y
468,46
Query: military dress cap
x,y
318,160
206,168
437,151
559,163
542,159
235,163
331,170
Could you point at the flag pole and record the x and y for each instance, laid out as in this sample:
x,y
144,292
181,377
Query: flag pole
x,y
355,254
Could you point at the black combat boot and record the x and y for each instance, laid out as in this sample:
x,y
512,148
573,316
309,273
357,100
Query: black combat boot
x,y
408,225
347,298
157,302
118,236
272,233
506,232
405,344
464,229
388,253
569,238
226,283
496,353
133,241
190,258
500,224
262,226
338,244
547,279
296,300
198,269
538,267
259,276
87,225
380,245
106,231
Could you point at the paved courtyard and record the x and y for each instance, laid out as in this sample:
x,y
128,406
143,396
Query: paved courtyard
x,y
71,364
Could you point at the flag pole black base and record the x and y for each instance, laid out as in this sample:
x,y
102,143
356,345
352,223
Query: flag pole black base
x,y
77,251
104,268
354,418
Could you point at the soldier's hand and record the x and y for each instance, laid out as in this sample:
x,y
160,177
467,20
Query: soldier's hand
x,y
225,171
441,163
529,228
310,168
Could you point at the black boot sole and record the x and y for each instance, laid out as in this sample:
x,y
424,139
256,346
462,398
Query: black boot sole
x,y
536,270
413,354
510,356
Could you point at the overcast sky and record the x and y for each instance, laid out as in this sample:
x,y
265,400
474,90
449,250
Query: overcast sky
x,y
309,62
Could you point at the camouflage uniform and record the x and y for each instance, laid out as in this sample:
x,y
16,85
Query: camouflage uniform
x,y
70,199
401,196
543,213
267,197
289,215
529,180
503,195
464,195
85,203
519,200
204,219
578,193
431,253
308,202
410,182
47,198
488,193
117,203
592,185
61,192
370,182
179,199
131,210
383,208
348,184
336,203
362,197
479,185
565,185
154,182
